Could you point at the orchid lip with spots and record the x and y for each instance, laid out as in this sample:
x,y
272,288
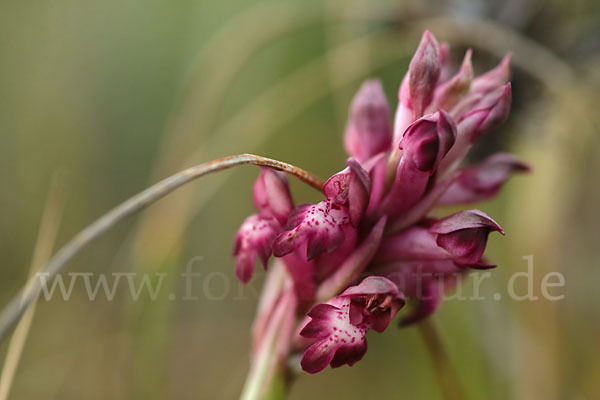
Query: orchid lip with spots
x,y
346,261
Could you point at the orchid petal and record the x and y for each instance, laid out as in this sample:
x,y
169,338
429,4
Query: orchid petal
x,y
340,325
369,129
423,74
450,92
318,225
331,325
484,180
494,78
425,143
253,241
465,234
352,186
272,195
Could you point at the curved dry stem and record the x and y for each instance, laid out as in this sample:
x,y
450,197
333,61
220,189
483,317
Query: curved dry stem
x,y
15,309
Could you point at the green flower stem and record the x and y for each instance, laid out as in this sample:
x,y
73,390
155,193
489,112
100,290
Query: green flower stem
x,y
266,378
446,375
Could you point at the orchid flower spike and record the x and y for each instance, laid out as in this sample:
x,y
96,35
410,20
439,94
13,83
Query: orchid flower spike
x,y
350,260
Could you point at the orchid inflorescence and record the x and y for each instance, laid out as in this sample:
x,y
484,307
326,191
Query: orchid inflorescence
x,y
352,260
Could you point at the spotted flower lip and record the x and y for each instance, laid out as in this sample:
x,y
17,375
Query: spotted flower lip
x,y
318,225
253,241
369,128
341,324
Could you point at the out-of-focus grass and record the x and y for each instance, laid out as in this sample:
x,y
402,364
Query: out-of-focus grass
x,y
121,94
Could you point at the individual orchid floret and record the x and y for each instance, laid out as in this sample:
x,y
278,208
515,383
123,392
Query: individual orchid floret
x,y
464,235
446,64
418,86
460,238
369,129
489,112
424,144
482,181
375,301
428,140
450,92
272,196
350,187
423,74
340,325
494,78
253,241
319,225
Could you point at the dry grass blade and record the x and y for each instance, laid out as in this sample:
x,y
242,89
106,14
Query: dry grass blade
x,y
49,225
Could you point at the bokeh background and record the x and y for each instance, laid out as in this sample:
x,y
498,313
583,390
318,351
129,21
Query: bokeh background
x,y
98,99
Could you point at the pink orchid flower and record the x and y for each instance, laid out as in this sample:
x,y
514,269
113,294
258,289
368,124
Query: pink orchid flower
x,y
354,258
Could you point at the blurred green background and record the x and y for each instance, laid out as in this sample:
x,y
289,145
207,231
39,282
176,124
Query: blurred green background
x,y
111,96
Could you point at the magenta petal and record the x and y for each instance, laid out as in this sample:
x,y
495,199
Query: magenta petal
x,y
446,64
428,140
484,114
464,220
302,272
465,234
318,225
425,143
491,112
377,174
332,327
404,112
466,245
372,285
414,243
423,74
253,241
378,299
351,187
484,180
450,92
320,324
369,129
272,196
318,356
409,185
328,263
349,354
494,78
